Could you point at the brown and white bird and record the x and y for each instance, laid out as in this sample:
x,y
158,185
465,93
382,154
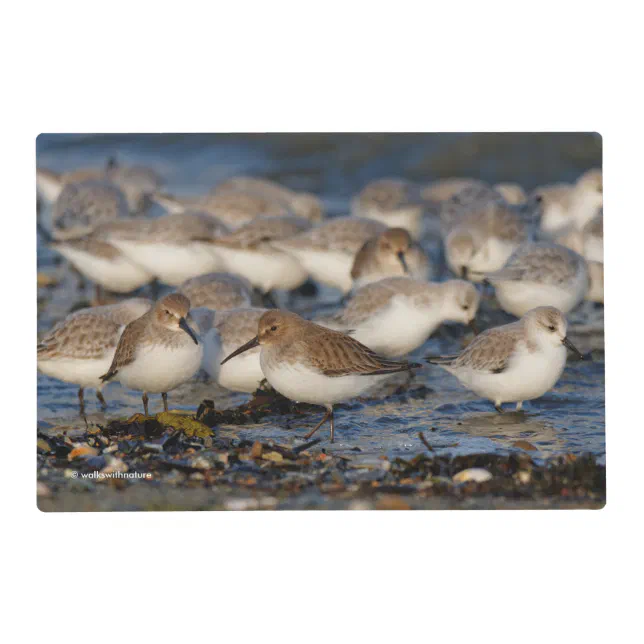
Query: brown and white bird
x,y
308,363
159,351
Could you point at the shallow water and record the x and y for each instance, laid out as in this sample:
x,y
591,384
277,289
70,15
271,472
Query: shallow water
x,y
568,419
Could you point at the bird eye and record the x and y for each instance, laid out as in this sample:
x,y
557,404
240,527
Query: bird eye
x,y
465,307
551,328
273,328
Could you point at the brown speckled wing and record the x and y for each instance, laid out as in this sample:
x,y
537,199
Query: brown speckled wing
x,y
126,349
262,230
491,350
83,336
341,355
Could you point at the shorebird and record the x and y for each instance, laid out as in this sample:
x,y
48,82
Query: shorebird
x,y
81,347
514,362
222,332
253,251
158,351
540,274
218,291
394,202
327,252
173,248
392,252
396,315
308,363
567,206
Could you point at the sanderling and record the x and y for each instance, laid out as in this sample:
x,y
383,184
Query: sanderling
x,y
567,206
222,332
173,248
392,252
540,274
103,264
589,241
309,363
480,232
80,348
234,209
83,206
396,315
514,362
394,202
328,251
253,252
137,182
444,189
219,291
159,351
301,204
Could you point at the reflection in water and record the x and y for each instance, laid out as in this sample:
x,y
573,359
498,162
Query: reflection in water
x,y
454,420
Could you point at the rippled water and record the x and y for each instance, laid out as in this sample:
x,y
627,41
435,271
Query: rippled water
x,y
568,419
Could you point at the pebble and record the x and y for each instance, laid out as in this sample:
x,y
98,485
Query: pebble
x,y
476,474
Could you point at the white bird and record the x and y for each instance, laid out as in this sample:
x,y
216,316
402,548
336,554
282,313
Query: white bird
x,y
515,362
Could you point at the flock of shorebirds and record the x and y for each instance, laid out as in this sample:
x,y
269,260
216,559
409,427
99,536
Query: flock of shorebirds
x,y
249,238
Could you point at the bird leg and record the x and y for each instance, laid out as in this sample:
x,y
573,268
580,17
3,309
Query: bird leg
x,y
144,398
329,414
164,395
498,407
519,405
101,399
81,401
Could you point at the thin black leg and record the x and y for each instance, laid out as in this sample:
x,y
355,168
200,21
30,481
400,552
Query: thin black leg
x,y
81,401
499,408
101,399
329,413
164,395
144,398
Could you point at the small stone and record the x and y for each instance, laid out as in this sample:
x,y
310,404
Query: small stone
x,y
82,451
476,474
392,502
276,457
201,463
524,476
45,280
524,445
256,450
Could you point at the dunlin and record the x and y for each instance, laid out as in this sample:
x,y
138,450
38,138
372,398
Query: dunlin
x,y
253,252
159,351
392,252
444,189
569,206
82,207
173,248
219,291
222,332
540,274
103,264
394,202
328,251
515,362
396,315
308,363
300,204
80,348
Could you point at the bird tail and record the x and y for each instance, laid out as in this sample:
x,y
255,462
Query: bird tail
x,y
440,360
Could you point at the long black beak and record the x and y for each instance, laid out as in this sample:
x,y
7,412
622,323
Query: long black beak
x,y
251,344
472,324
573,348
184,325
403,261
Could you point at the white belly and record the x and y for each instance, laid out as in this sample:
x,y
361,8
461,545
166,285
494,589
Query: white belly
x,y
332,268
242,373
303,385
555,219
529,376
273,269
119,275
491,257
398,329
517,298
160,369
171,264
84,373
